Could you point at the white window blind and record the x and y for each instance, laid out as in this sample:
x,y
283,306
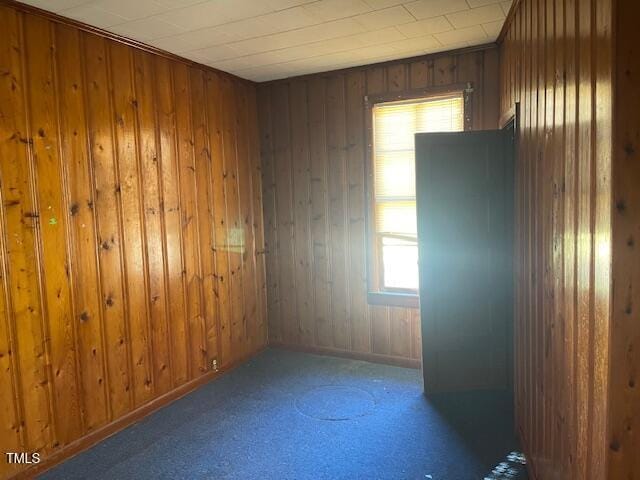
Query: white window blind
x,y
394,126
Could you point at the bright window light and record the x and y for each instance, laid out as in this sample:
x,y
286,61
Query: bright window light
x,y
394,127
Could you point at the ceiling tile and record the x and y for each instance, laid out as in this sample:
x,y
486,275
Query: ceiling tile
x,y
178,3
212,54
146,29
93,16
55,5
263,39
196,16
476,16
282,4
129,9
464,35
425,42
240,63
390,34
481,3
426,26
384,18
493,29
338,28
239,9
214,12
379,4
433,8
193,40
289,19
327,10
506,6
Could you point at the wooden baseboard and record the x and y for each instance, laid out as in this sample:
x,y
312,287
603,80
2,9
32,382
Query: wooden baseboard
x,y
89,440
334,352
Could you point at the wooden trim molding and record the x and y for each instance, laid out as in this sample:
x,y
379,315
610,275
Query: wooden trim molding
x,y
91,439
334,352
54,17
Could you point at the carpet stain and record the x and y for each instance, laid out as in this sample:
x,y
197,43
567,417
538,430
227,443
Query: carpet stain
x,y
335,403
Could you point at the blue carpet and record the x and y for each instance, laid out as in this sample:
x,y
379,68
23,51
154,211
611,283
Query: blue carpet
x,y
288,415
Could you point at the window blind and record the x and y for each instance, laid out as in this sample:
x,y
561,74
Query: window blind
x,y
394,127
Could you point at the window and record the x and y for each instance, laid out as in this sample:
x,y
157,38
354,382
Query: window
x,y
393,223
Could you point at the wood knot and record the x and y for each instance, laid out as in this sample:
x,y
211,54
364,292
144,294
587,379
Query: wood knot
x,y
629,149
109,301
105,245
621,206
615,445
74,209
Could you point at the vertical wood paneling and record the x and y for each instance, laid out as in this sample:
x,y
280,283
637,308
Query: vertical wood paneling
x,y
18,282
21,217
287,325
250,290
231,175
55,267
257,250
129,179
112,183
201,186
149,160
338,197
302,219
267,158
623,440
189,218
313,142
221,234
563,237
319,212
170,183
356,212
98,119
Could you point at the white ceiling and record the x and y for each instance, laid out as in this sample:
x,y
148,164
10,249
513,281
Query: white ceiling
x,y
268,39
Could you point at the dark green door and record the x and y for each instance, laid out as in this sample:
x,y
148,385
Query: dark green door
x,y
464,186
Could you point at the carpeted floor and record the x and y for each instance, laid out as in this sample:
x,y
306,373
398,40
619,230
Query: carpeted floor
x,y
287,415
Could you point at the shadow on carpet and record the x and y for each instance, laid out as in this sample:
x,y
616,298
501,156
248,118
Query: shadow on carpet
x,y
288,415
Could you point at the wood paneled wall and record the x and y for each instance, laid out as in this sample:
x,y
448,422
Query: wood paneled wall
x,y
556,60
624,392
131,230
313,156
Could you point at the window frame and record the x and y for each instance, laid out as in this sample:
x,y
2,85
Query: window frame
x,y
376,295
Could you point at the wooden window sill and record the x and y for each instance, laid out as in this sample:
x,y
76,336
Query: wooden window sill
x,y
407,300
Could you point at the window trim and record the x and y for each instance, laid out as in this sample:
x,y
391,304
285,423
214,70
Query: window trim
x,y
375,294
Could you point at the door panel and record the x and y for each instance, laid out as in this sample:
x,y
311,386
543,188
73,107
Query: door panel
x,y
464,195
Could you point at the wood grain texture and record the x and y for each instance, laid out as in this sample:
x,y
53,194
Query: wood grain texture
x,y
313,144
623,440
556,61
131,240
